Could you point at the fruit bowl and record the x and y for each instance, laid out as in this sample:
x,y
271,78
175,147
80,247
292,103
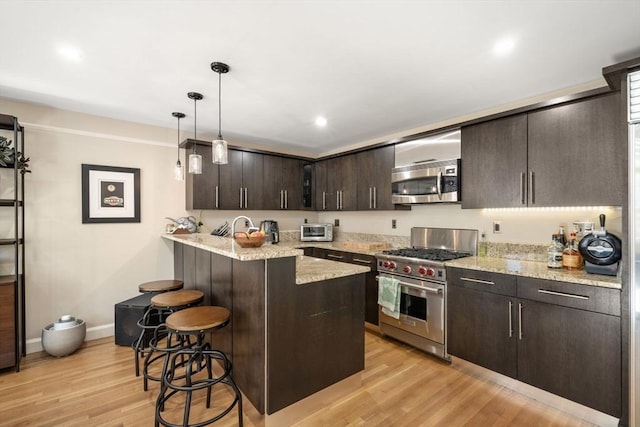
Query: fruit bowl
x,y
253,240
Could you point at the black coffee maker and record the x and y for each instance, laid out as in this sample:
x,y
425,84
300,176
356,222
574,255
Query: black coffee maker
x,y
270,228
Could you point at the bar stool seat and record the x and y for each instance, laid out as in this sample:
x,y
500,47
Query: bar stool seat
x,y
176,299
162,305
160,286
199,319
184,363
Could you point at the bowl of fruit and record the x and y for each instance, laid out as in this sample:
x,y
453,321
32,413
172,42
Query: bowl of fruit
x,y
250,239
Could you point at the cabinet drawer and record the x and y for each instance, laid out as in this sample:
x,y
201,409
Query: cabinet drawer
x,y
584,297
365,260
337,256
503,284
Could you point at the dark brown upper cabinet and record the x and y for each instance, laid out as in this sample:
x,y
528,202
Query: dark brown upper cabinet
x,y
567,155
202,189
374,178
336,184
242,181
283,183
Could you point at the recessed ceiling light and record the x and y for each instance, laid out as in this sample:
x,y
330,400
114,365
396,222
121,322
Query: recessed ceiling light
x,y
504,46
70,52
321,122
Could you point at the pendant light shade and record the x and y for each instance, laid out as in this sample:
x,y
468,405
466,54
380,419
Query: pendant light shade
x,y
195,159
219,154
178,171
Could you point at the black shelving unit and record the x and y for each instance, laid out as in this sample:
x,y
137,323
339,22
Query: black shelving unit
x,y
12,286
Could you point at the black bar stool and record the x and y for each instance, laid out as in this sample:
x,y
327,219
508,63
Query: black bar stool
x,y
184,364
150,318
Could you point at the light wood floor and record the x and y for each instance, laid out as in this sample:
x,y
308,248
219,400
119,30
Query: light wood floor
x,y
401,386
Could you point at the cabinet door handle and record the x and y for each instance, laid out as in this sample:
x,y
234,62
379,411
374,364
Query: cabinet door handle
x,y
375,198
520,334
240,197
324,200
362,261
562,294
532,189
484,282
246,205
370,198
522,189
510,319
286,199
334,256
217,197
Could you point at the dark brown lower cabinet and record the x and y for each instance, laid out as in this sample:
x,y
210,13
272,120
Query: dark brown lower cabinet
x,y
371,282
572,353
286,341
473,321
560,337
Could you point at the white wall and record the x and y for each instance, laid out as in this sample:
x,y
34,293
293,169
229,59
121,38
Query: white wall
x,y
84,269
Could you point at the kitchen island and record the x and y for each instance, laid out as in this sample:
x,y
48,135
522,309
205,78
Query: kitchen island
x,y
297,322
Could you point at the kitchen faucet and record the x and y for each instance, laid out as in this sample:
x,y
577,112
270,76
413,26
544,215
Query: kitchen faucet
x,y
233,224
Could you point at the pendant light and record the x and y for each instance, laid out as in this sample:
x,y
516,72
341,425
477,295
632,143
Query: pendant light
x,y
178,172
219,146
195,159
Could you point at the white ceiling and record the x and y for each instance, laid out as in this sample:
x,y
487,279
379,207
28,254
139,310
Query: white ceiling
x,y
372,68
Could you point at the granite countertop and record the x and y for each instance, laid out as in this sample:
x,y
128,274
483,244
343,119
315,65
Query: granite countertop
x,y
308,269
538,270
228,247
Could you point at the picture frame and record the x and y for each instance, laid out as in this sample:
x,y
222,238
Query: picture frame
x,y
110,194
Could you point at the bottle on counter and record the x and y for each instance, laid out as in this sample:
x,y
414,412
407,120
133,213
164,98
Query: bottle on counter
x,y
561,236
482,246
554,253
571,258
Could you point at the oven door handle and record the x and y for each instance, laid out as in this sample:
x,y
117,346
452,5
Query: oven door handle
x,y
419,288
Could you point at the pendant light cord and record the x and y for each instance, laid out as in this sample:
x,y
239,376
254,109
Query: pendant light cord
x,y
195,123
178,138
220,105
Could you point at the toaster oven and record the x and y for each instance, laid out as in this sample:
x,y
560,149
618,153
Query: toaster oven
x,y
316,233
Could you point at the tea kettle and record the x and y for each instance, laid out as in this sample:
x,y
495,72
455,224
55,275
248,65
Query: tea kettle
x,y
189,222
270,228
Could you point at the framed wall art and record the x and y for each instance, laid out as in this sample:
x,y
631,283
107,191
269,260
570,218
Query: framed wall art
x,y
110,194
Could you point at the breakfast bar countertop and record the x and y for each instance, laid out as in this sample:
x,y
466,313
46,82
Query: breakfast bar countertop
x,y
228,247
308,269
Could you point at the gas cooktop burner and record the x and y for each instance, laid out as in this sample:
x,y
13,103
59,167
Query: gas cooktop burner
x,y
430,254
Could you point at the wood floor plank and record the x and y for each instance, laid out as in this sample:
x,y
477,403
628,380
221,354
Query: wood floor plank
x,y
401,386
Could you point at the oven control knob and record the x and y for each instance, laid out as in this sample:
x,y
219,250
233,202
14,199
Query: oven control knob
x,y
431,272
385,264
392,265
422,271
406,269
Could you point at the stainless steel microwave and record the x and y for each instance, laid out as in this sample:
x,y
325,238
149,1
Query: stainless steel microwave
x,y
428,182
316,233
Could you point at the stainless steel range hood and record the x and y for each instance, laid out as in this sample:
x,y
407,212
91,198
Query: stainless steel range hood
x,y
438,147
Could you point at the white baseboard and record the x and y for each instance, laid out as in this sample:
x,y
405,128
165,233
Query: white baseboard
x,y
34,345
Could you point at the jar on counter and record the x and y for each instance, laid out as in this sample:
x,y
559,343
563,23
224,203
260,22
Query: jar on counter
x,y
554,253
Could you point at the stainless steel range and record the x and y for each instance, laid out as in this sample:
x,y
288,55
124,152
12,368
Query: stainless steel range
x,y
422,283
